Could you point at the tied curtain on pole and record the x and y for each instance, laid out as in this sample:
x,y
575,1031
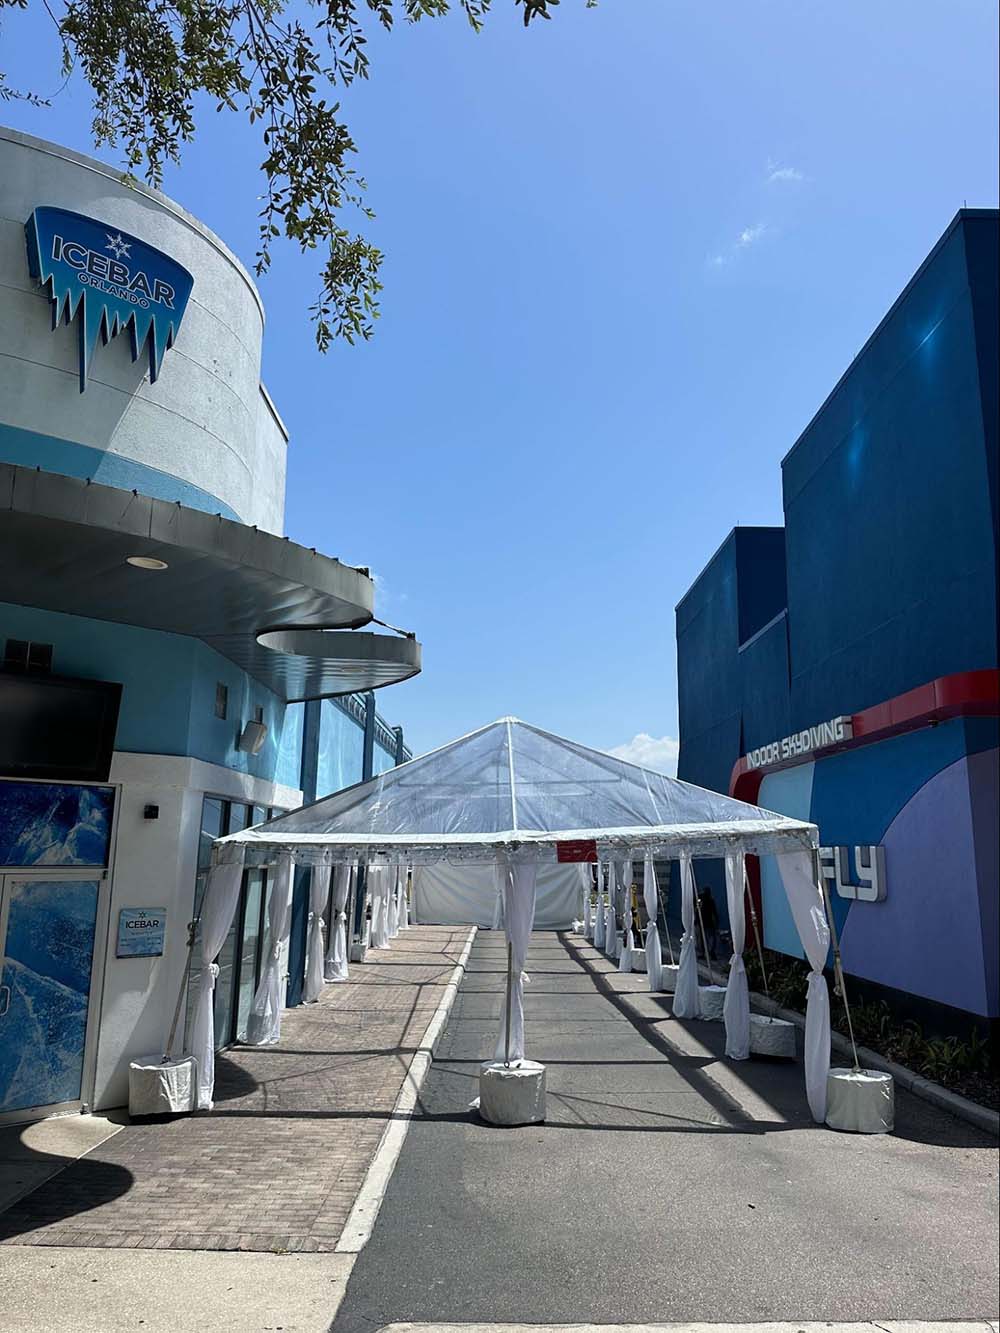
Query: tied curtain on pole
x,y
805,898
628,943
264,1023
686,1003
396,878
611,920
404,905
378,882
649,897
336,959
736,1006
319,892
519,913
588,920
218,908
498,918
601,916
584,871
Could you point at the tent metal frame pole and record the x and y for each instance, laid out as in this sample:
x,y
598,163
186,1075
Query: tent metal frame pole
x,y
704,937
662,901
756,933
839,988
510,987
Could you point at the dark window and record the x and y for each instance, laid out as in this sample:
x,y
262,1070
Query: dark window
x,y
221,700
22,655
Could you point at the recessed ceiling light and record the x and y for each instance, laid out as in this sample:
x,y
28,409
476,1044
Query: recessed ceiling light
x,y
145,562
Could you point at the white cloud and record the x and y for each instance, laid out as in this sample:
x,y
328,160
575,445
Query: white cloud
x,y
778,173
657,753
385,594
750,235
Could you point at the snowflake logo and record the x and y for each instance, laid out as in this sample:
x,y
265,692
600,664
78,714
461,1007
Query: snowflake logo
x,y
118,247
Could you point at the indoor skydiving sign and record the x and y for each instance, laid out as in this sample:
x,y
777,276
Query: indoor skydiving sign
x,y
110,281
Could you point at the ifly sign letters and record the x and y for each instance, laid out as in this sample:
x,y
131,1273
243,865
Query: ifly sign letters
x,y
802,742
112,280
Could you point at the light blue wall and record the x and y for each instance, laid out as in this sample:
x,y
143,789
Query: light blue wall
x,y
289,766
26,448
341,750
382,760
168,699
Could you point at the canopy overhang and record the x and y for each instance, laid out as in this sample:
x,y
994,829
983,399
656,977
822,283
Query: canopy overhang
x,y
505,789
283,613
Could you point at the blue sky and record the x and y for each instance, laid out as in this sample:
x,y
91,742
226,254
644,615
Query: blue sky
x,y
629,252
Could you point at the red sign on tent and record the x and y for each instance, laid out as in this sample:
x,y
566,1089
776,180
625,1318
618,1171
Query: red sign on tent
x,y
581,849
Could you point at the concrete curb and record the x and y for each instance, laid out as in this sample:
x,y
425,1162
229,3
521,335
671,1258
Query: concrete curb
x,y
799,1326
921,1087
364,1214
953,1102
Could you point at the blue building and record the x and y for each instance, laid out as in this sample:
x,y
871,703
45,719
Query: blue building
x,y
843,668
172,666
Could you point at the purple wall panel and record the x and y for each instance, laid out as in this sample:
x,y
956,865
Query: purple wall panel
x,y
984,778
926,937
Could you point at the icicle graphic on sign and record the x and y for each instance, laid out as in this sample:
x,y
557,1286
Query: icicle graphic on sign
x,y
112,280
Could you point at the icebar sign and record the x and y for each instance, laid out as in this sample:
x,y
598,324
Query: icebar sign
x,y
112,280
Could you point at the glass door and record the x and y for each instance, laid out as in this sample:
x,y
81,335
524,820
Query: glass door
x,y
47,934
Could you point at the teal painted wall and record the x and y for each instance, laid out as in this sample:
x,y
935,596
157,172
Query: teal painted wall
x,y
168,696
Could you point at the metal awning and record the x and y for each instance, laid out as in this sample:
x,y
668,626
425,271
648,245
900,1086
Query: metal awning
x,y
65,544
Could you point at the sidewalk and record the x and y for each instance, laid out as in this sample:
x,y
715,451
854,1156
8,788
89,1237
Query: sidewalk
x,y
277,1165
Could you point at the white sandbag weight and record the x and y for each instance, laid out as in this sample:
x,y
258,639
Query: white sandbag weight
x,y
711,1002
861,1101
772,1036
512,1095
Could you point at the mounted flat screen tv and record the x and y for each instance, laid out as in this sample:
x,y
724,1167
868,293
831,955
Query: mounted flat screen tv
x,y
56,727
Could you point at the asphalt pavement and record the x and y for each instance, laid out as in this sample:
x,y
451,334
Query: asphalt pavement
x,y
666,1184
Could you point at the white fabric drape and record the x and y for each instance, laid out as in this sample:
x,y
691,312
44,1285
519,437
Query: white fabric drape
x,y
319,892
395,893
628,942
583,870
404,904
736,1006
686,990
650,900
336,959
588,919
601,915
500,888
805,898
519,914
218,907
611,920
264,1023
379,889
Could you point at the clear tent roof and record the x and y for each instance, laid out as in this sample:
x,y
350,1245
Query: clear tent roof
x,y
512,785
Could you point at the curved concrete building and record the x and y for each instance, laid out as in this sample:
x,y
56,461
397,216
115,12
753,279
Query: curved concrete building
x,y
206,433
173,667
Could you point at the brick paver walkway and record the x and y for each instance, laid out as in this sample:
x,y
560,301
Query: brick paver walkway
x,y
279,1161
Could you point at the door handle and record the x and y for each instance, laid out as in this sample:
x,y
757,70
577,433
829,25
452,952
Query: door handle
x,y
4,1000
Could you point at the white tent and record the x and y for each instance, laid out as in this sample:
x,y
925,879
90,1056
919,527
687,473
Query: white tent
x,y
516,798
466,894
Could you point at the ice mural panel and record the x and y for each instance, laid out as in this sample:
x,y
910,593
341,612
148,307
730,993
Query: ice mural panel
x,y
49,956
54,824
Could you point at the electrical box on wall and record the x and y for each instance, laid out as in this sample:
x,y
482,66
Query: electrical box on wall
x,y
253,737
